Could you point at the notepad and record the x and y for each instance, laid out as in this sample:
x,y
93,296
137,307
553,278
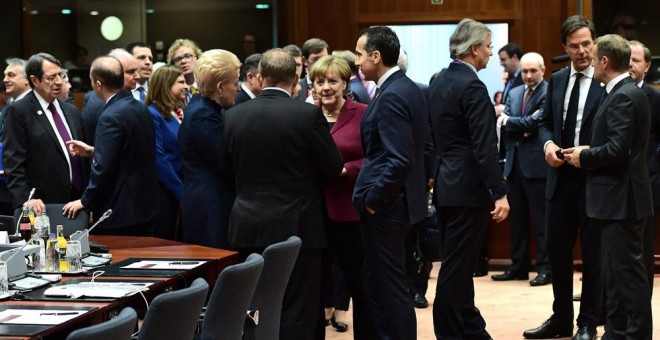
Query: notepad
x,y
97,289
38,316
164,265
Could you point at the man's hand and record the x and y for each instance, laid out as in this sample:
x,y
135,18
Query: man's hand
x,y
78,148
551,155
499,108
37,206
572,155
72,208
501,210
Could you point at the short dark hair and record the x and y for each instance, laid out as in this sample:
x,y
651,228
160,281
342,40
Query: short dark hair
x,y
111,76
512,49
277,67
313,45
34,66
383,40
251,64
293,50
574,23
135,44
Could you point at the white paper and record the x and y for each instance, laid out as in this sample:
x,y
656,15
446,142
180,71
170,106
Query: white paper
x,y
38,316
164,265
4,237
97,289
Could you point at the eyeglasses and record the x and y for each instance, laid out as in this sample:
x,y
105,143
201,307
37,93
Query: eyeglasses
x,y
52,78
185,57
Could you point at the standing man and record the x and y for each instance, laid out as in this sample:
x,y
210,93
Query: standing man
x,y
291,140
510,56
469,188
640,62
571,103
618,188
36,129
525,172
142,52
312,50
184,54
390,193
123,176
251,82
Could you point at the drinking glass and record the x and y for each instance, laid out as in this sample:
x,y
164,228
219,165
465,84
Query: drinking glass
x,y
74,256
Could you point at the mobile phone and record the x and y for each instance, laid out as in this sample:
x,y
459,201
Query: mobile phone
x,y
560,154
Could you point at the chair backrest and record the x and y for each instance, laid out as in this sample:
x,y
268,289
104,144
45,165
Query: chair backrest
x,y
279,259
119,328
54,212
174,315
230,299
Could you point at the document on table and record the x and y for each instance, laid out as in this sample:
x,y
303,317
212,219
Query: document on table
x,y
164,265
38,316
98,289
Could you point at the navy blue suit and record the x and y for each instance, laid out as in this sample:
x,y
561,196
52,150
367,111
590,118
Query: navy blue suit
x,y
90,115
392,183
123,176
207,194
241,96
525,169
468,181
358,90
565,211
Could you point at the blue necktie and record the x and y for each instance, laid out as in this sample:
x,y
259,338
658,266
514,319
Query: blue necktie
x,y
142,94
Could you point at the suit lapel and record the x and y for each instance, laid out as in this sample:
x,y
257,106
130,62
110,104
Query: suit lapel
x,y
606,102
346,114
535,98
592,99
558,100
42,118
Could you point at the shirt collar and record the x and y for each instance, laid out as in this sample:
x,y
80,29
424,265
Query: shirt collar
x,y
248,91
589,71
640,84
22,95
278,89
44,104
387,74
615,81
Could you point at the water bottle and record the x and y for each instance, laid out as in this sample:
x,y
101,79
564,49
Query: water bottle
x,y
61,242
52,254
38,258
45,223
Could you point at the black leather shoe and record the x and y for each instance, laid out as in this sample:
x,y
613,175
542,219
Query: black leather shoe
x,y
509,276
419,301
338,325
482,268
585,333
541,280
549,329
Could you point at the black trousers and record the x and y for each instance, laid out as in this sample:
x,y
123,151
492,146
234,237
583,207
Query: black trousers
x,y
649,242
628,291
454,314
565,217
527,199
390,306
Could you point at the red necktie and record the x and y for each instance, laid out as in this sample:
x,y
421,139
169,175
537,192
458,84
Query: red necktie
x,y
528,94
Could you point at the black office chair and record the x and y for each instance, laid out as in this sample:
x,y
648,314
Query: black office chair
x,y
174,315
119,328
231,296
54,212
279,259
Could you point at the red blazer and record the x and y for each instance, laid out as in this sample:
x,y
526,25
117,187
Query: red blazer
x,y
346,134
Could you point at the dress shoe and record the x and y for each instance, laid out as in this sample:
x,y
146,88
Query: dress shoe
x,y
341,327
482,268
509,276
541,280
585,333
419,301
549,329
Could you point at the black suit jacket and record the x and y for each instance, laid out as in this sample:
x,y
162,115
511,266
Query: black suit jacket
x,y
123,176
552,122
90,115
241,96
463,120
522,137
653,95
302,94
33,157
281,155
617,176
359,92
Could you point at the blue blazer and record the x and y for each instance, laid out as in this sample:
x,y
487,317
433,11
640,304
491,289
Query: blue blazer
x,y
360,93
90,115
123,174
394,130
522,137
168,161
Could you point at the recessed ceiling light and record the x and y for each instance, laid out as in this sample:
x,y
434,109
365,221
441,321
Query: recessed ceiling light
x,y
150,11
34,12
66,11
94,13
262,6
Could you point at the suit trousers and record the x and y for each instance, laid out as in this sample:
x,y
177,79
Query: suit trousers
x,y
454,314
649,242
628,292
383,239
527,199
565,217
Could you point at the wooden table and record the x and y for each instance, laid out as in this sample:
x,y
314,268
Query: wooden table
x,y
121,248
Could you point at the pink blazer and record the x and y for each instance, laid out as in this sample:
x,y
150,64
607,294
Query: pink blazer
x,y
346,134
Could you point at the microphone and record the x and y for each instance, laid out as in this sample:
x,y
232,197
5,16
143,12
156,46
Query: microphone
x,y
105,216
31,194
561,59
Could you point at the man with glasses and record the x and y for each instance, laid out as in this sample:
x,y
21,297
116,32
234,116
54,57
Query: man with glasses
x,y
183,54
36,130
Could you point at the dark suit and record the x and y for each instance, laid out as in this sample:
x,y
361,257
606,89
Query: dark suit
x,y
653,95
525,170
207,194
90,115
565,212
123,176
391,182
468,181
282,156
32,155
304,87
619,200
241,96
358,90
515,82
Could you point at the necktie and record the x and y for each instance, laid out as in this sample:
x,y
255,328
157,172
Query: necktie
x,y
507,87
192,89
602,97
528,93
568,134
142,94
377,92
76,177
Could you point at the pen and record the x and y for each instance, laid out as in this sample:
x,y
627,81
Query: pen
x,y
183,263
59,314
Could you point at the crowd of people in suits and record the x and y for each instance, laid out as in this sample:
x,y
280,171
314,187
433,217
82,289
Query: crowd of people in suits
x,y
341,150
